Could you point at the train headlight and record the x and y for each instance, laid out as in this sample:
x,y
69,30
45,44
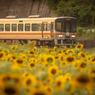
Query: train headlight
x,y
73,36
60,36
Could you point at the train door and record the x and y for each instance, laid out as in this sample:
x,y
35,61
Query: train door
x,y
45,33
52,29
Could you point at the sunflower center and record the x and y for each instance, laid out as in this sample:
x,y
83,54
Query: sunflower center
x,y
32,64
53,71
82,55
61,58
83,79
31,52
1,55
93,60
10,91
56,57
49,89
49,60
70,59
83,65
78,46
20,61
28,82
58,83
39,94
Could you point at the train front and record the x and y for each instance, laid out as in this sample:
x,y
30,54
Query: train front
x,y
65,31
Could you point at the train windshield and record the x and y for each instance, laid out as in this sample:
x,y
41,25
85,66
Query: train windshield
x,y
65,25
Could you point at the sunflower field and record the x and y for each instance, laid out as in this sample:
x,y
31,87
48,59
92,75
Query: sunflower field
x,y
28,70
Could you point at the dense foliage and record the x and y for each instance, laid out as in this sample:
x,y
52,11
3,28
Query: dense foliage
x,y
83,10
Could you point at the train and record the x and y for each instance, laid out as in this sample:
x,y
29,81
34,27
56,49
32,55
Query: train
x,y
39,28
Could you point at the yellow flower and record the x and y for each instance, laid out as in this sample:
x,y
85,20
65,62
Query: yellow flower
x,y
31,65
53,70
83,80
70,51
50,59
20,61
59,83
70,59
26,74
49,80
83,65
31,44
2,55
91,71
49,89
15,67
35,48
31,53
29,81
82,55
92,60
80,46
14,47
10,90
40,91
63,64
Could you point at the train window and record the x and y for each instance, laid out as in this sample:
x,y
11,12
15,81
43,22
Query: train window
x,y
67,26
36,27
7,27
27,27
73,26
45,27
20,27
14,27
1,27
58,26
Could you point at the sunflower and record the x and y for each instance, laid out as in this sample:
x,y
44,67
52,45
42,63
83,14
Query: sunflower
x,y
9,90
7,52
19,61
63,64
83,80
82,55
31,44
53,70
14,47
55,48
29,81
91,71
56,57
26,74
70,51
35,48
49,89
40,91
2,55
4,78
50,59
59,83
80,46
70,59
59,51
15,67
61,57
49,80
17,79
92,60
83,65
31,53
31,65
68,77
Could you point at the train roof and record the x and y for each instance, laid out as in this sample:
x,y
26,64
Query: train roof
x,y
36,17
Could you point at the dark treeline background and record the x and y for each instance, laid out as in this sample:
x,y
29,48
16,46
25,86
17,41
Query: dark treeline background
x,y
83,10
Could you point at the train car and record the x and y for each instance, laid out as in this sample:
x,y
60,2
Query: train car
x,y
41,29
